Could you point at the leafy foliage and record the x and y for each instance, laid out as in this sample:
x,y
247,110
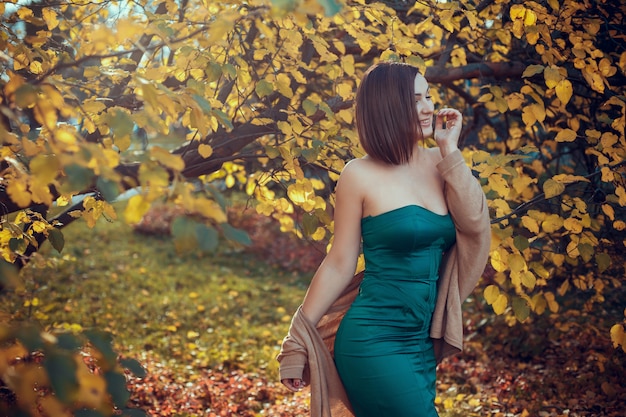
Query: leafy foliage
x,y
61,373
153,310
181,100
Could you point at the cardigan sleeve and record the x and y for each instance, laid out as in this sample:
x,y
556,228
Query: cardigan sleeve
x,y
464,263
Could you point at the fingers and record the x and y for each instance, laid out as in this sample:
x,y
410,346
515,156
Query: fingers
x,y
293,384
451,118
448,125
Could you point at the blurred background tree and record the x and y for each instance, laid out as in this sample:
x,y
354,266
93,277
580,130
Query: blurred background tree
x,y
177,101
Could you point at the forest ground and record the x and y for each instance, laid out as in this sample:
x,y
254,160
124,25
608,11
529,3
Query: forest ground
x,y
207,328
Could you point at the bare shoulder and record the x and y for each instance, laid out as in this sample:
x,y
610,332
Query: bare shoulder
x,y
354,176
356,170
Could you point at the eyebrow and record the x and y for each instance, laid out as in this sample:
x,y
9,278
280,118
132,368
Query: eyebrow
x,y
427,91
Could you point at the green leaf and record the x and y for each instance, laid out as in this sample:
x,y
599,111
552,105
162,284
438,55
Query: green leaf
x,y
520,308
552,188
116,386
78,177
331,7
17,245
184,233
68,341
109,189
55,236
102,341
309,107
223,118
586,251
235,235
207,238
309,224
61,369
134,366
264,88
204,103
120,122
213,71
310,154
604,261
521,243
26,96
9,274
30,336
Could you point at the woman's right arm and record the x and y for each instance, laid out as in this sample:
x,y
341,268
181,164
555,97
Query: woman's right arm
x,y
336,271
338,268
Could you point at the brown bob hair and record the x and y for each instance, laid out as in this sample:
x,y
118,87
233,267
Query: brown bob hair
x,y
386,116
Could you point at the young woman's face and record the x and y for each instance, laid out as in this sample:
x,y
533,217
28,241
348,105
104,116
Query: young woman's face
x,y
424,105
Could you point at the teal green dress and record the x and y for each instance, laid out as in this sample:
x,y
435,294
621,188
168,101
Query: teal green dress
x,y
383,351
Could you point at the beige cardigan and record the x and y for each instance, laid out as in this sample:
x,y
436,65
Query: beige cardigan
x,y
307,349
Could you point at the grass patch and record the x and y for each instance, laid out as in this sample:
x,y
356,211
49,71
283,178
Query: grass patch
x,y
200,310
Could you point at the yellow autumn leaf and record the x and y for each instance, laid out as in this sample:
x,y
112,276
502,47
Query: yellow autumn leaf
x,y
40,192
135,209
533,69
517,263
552,76
530,18
565,135
499,185
568,178
485,98
491,293
209,209
18,192
528,279
618,336
205,150
552,223
46,114
283,85
499,260
45,167
515,101
553,188
608,211
300,192
167,159
50,17
499,306
344,90
551,300
608,139
517,11
530,224
564,91
621,193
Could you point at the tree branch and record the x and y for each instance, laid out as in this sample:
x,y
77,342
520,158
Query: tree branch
x,y
542,196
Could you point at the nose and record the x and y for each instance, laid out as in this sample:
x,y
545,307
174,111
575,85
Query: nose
x,y
425,107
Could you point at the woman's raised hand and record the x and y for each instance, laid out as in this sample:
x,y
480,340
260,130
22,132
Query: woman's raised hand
x,y
448,125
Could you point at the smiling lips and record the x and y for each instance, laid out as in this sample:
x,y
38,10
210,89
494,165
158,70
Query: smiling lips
x,y
425,123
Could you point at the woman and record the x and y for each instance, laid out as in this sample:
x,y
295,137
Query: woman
x,y
409,205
